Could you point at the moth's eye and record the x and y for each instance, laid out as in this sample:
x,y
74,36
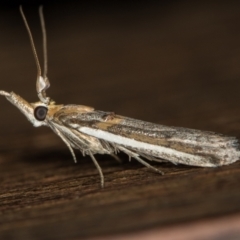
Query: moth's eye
x,y
40,113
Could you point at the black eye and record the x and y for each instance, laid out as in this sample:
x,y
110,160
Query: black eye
x,y
40,113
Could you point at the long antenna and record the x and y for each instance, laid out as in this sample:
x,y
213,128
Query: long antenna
x,y
44,34
42,83
32,42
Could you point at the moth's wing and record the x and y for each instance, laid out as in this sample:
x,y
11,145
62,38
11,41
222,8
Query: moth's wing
x,y
178,145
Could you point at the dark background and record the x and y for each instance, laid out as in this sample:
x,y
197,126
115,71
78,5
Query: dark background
x,y
168,62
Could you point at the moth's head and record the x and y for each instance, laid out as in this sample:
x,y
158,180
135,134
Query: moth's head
x,y
42,112
39,114
36,113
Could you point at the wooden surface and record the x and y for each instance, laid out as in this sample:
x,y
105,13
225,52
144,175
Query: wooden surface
x,y
174,64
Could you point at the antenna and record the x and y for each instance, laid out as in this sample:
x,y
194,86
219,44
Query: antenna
x,y
42,83
32,42
44,34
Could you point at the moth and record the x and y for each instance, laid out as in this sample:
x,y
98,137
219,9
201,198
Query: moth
x,y
98,132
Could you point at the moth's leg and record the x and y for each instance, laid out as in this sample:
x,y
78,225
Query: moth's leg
x,y
136,156
116,158
98,168
67,143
